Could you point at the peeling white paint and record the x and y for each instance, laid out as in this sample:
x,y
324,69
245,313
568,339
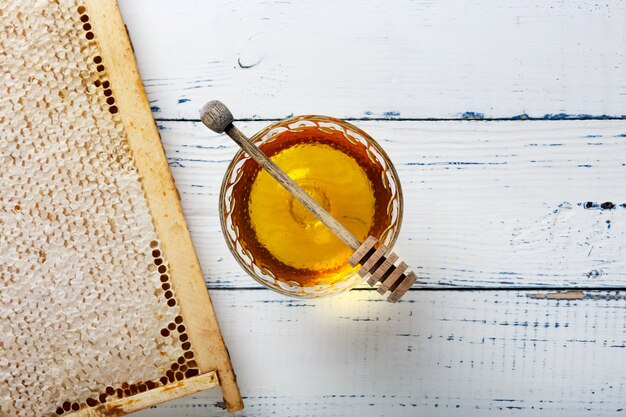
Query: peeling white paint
x,y
436,353
479,210
409,59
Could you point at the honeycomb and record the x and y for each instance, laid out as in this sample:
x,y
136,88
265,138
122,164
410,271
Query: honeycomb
x,y
87,312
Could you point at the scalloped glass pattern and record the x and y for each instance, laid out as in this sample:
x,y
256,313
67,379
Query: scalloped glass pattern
x,y
354,137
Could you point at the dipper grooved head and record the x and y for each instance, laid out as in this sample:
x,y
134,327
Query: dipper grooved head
x,y
216,116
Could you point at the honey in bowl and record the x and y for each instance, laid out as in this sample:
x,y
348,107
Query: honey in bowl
x,y
338,165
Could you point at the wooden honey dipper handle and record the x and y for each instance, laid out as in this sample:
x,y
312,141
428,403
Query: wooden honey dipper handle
x,y
216,116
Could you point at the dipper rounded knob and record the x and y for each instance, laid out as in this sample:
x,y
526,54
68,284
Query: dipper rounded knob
x,y
216,116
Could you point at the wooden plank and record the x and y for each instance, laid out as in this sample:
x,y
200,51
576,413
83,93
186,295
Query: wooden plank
x,y
434,353
175,242
453,59
487,204
123,406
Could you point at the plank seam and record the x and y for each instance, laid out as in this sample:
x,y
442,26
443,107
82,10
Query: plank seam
x,y
451,288
423,119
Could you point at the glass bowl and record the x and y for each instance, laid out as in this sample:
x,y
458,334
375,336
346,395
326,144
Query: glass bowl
x,y
352,138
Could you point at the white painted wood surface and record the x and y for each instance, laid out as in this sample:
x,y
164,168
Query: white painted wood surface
x,y
406,59
487,204
498,206
440,353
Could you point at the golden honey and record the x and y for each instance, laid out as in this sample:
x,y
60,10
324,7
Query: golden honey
x,y
281,234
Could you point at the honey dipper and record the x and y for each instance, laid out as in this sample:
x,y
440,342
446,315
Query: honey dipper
x,y
374,260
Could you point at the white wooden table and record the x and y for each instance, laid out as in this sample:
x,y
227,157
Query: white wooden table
x,y
516,227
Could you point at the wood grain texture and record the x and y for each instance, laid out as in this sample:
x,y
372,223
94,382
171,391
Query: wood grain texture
x,y
350,59
487,204
434,353
175,242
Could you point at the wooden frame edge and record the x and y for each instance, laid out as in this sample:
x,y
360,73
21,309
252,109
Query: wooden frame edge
x,y
186,277
123,406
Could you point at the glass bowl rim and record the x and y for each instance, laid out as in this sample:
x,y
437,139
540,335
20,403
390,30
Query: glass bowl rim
x,y
256,138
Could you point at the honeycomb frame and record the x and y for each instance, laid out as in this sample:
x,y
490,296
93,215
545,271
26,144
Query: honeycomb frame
x,y
205,360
